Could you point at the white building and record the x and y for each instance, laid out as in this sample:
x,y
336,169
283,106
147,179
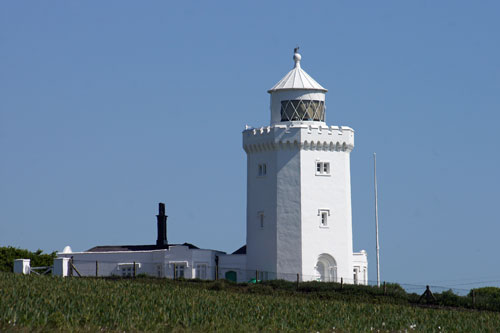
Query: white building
x,y
299,188
298,205
161,259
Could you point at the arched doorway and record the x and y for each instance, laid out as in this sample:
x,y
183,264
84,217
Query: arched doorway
x,y
231,276
326,268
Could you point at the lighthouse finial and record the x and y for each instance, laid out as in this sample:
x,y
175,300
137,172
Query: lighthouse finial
x,y
296,56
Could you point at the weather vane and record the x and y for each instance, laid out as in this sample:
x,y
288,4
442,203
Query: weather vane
x,y
295,50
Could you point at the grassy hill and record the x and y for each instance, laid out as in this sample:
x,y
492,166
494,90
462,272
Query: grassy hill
x,y
46,303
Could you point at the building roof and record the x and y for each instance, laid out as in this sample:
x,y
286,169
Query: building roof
x,y
115,248
297,79
241,250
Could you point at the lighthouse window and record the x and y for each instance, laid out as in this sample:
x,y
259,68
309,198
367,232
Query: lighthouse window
x,y
323,168
299,110
323,214
262,169
261,219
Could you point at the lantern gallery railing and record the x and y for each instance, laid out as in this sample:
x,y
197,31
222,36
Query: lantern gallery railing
x,y
299,110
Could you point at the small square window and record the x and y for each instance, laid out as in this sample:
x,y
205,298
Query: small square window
x,y
262,169
323,217
322,168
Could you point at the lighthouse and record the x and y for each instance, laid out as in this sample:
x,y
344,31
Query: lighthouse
x,y
299,218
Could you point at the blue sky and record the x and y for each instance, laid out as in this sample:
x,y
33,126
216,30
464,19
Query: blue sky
x,y
107,108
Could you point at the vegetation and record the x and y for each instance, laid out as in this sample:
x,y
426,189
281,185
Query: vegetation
x,y
487,298
38,258
46,303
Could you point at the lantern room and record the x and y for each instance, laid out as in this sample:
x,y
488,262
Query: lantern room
x,y
297,97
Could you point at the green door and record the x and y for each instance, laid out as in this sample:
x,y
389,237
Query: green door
x,y
231,276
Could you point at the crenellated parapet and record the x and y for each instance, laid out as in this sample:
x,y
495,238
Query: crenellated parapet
x,y
298,136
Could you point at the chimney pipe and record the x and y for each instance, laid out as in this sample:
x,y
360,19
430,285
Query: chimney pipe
x,y
162,226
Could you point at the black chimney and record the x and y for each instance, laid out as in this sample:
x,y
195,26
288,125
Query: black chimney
x,y
162,226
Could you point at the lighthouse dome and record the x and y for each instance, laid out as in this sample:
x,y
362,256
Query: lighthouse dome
x,y
297,79
297,96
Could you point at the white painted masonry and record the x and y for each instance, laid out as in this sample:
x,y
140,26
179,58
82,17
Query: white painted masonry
x,y
61,266
235,263
22,266
159,263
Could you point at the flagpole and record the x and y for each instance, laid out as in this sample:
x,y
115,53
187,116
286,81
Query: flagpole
x,y
376,215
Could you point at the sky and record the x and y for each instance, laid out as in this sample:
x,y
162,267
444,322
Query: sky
x,y
107,108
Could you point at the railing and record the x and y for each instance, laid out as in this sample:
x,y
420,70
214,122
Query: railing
x,y
42,270
176,270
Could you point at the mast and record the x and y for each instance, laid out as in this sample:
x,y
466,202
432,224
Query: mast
x,y
376,215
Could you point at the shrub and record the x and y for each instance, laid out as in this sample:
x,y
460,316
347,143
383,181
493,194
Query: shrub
x,y
487,298
449,298
9,254
490,292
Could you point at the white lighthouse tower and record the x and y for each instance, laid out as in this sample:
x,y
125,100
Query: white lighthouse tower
x,y
299,188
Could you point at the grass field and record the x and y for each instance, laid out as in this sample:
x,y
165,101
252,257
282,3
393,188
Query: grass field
x,y
44,303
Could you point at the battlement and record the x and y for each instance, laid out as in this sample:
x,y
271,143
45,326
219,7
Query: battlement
x,y
298,136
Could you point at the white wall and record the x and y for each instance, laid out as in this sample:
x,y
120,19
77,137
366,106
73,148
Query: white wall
x,y
109,262
261,245
360,264
159,263
326,192
236,263
205,257
294,193
288,204
22,266
275,247
61,267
